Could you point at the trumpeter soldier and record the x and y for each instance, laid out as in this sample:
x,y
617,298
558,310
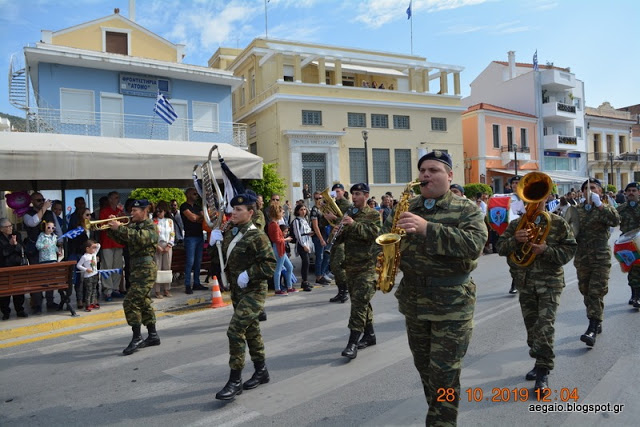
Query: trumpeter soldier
x,y
630,220
337,250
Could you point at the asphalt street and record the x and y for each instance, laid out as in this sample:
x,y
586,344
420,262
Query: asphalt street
x,y
83,379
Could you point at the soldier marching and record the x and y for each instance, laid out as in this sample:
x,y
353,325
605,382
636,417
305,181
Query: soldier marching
x,y
630,220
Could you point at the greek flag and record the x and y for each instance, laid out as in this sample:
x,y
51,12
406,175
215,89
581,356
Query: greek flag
x,y
72,234
535,61
552,205
106,273
409,10
164,109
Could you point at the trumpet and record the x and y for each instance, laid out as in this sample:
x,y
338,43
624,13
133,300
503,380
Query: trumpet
x,y
103,224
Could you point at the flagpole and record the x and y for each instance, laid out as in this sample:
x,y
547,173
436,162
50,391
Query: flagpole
x,y
411,32
266,28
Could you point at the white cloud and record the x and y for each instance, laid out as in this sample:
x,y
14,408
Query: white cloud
x,y
503,28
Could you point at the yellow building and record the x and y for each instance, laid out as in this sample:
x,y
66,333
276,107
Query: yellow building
x,y
309,106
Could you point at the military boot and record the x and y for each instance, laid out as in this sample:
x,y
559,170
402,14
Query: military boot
x,y
351,351
341,289
542,379
262,317
368,338
153,338
136,342
589,337
532,374
598,326
636,301
633,296
233,387
260,376
345,295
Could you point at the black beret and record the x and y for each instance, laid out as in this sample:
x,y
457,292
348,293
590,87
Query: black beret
x,y
142,203
244,199
593,180
514,178
338,185
437,155
632,185
360,187
458,187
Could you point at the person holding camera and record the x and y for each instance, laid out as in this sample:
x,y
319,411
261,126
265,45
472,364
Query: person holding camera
x,y
11,254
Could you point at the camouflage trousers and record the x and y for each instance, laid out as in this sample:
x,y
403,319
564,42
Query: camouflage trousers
x,y
438,348
137,304
362,287
336,260
634,276
539,314
593,282
244,326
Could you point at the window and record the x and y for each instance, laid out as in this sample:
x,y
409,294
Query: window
x,y
310,117
557,163
574,164
621,144
253,130
380,121
523,138
327,75
242,99
381,165
252,86
579,132
356,165
205,116
439,123
577,102
496,136
401,122
403,165
253,148
357,120
348,80
116,42
77,106
510,138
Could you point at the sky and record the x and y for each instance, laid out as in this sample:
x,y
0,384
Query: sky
x,y
596,39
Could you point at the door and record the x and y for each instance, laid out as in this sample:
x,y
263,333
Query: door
x,y
314,171
179,130
111,115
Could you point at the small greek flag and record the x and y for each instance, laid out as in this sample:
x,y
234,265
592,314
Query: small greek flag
x,y
164,109
535,61
409,10
106,273
72,234
552,205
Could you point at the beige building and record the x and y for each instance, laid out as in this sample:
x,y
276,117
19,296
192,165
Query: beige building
x,y
309,106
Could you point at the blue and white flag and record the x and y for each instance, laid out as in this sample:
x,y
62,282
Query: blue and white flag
x,y
552,205
106,273
72,234
164,109
409,10
535,61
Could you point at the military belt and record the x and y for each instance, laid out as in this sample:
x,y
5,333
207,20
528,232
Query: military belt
x,y
140,260
440,281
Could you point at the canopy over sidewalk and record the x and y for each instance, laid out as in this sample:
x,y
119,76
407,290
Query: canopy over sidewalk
x,y
30,161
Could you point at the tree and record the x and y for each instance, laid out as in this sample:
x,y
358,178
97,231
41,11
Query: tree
x,y
611,187
154,195
271,182
471,190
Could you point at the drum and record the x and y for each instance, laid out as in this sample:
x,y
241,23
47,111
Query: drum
x,y
627,249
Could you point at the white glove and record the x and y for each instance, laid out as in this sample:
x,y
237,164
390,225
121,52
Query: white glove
x,y
596,200
216,236
243,280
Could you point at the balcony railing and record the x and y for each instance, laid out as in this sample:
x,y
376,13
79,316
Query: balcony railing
x,y
509,148
572,140
567,108
72,122
604,157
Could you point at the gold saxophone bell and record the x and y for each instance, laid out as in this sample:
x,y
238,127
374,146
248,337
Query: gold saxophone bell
x,y
330,207
103,224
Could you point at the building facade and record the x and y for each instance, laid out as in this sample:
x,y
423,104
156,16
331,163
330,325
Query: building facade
x,y
634,110
327,114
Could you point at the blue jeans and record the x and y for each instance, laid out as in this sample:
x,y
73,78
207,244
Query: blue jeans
x,y
193,252
322,258
282,261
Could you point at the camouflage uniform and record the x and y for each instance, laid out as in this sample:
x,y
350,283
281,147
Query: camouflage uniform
x,y
360,270
337,252
258,219
593,256
253,254
630,220
540,284
437,296
142,239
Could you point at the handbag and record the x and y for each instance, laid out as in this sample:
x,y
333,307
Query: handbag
x,y
164,276
23,259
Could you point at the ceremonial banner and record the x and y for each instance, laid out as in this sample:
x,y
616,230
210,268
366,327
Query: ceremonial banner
x,y
498,213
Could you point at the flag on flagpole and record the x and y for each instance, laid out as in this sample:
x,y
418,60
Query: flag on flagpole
x,y
107,273
232,185
409,10
164,109
535,61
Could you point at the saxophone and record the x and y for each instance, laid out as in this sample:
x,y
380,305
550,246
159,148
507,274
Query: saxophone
x,y
388,260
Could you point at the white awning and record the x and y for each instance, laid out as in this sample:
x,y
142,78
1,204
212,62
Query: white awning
x,y
55,161
556,177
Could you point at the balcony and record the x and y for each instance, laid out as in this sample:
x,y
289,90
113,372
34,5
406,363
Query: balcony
x,y
561,142
507,154
70,122
558,111
557,80
617,160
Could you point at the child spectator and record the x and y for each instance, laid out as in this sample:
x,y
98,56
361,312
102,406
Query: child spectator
x,y
88,264
47,244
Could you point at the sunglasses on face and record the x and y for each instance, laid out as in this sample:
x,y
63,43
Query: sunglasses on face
x,y
38,200
50,228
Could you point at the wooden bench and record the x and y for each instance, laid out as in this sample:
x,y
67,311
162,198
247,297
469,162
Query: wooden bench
x,y
28,279
179,259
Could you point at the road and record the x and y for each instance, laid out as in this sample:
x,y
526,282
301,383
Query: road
x,y
84,380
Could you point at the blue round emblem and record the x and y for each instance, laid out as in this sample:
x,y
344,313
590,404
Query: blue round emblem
x,y
234,230
429,203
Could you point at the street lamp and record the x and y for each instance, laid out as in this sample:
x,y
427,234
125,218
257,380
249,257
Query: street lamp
x,y
612,176
365,136
515,157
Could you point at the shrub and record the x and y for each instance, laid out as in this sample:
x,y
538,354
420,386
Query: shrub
x,y
154,195
611,187
271,182
472,189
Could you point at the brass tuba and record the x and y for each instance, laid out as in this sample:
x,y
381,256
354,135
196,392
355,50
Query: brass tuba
x,y
533,189
330,206
388,260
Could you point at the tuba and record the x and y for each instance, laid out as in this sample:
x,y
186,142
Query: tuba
x,y
330,206
533,189
389,259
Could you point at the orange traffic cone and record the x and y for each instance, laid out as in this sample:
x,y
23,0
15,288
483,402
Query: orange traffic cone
x,y
216,296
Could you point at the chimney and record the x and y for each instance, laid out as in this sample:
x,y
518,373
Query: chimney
x,y
512,64
132,10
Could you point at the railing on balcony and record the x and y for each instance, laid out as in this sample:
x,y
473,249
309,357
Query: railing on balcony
x,y
605,157
509,148
567,108
72,122
571,140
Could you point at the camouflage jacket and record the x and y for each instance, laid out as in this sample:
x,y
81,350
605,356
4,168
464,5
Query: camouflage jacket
x,y
629,216
258,219
343,204
456,234
546,270
593,227
358,238
252,253
140,237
